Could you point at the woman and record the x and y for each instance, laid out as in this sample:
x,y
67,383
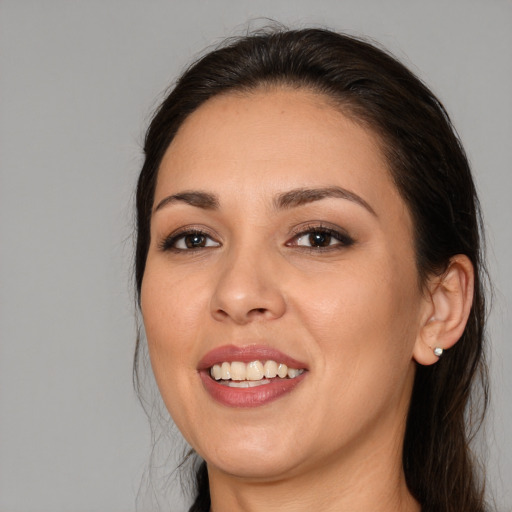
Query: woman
x,y
309,274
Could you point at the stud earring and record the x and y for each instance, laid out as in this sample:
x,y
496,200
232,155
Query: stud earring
x,y
438,351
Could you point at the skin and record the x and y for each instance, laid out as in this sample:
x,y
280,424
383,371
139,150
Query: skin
x,y
353,313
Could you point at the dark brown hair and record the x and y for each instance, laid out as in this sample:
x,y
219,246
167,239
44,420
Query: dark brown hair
x,y
432,174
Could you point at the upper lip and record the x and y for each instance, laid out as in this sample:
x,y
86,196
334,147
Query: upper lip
x,y
246,354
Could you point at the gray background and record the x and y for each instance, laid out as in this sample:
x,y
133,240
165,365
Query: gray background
x,y
78,81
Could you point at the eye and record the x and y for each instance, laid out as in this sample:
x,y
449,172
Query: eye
x,y
321,238
187,241
317,239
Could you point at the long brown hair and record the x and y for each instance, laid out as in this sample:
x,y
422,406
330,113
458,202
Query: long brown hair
x,y
432,174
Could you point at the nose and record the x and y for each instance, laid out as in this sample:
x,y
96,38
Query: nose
x,y
247,289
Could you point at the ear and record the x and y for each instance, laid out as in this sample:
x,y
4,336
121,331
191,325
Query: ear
x,y
447,307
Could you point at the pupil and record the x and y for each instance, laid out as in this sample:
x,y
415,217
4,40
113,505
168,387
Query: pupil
x,y
319,239
192,241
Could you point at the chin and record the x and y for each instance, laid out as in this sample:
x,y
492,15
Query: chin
x,y
259,467
253,458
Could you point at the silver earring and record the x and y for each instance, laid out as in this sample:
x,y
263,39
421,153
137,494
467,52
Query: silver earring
x,y
438,351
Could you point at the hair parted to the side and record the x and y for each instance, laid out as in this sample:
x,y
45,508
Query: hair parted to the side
x,y
432,174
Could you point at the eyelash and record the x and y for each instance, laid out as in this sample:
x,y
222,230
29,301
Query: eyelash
x,y
342,237
169,243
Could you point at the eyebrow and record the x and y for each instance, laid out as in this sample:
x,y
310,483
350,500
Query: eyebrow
x,y
284,201
301,196
199,199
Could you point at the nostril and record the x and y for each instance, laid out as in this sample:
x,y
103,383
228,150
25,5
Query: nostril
x,y
249,305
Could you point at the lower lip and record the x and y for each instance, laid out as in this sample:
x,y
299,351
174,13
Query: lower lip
x,y
249,397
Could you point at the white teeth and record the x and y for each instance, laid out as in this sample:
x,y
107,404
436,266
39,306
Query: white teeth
x,y
270,369
253,373
282,371
226,371
292,373
216,372
245,383
238,371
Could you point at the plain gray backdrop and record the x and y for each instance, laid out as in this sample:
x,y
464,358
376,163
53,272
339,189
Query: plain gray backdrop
x,y
78,81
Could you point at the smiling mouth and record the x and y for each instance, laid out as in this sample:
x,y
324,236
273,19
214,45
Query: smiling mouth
x,y
237,374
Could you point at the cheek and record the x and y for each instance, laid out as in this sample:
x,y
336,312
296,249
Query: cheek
x,y
172,310
363,318
170,307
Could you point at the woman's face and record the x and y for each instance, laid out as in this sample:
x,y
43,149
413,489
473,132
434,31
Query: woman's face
x,y
277,235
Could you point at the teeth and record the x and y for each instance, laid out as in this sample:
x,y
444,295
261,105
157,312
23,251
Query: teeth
x,y
244,383
226,371
282,371
270,369
292,373
216,372
251,374
254,371
238,371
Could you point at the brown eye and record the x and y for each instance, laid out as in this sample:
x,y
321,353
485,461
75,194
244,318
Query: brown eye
x,y
319,239
195,240
188,241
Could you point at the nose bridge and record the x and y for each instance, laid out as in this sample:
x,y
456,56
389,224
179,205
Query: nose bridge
x,y
246,288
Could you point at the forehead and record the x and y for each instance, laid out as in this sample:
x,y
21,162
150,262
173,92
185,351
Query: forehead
x,y
266,141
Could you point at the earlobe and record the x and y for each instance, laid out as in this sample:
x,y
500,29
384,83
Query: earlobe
x,y
447,308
